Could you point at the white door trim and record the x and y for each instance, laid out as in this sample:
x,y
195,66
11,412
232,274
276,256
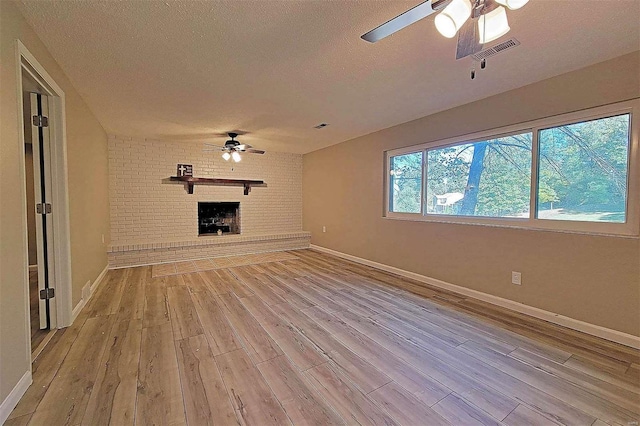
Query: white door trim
x,y
60,198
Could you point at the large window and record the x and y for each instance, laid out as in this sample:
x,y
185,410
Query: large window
x,y
486,178
405,183
583,170
567,173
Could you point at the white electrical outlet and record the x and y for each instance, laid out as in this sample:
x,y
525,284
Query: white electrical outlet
x,y
324,229
516,278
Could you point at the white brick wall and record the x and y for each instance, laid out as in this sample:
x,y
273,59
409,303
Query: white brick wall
x,y
146,208
220,247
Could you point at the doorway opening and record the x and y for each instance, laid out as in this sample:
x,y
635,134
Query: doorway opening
x,y
38,193
47,238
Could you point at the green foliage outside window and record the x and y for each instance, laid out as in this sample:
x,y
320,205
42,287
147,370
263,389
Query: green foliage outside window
x,y
493,176
583,170
405,182
582,175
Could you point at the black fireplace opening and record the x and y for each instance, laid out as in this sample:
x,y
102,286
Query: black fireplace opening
x,y
218,216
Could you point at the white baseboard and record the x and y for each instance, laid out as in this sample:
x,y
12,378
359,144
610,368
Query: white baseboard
x,y
574,324
98,280
33,267
82,303
14,396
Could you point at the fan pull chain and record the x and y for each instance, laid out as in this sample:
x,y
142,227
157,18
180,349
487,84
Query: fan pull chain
x,y
483,65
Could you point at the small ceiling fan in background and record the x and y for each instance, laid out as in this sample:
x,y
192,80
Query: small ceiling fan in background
x,y
232,148
488,22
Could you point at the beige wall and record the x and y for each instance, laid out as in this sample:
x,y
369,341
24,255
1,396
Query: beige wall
x,y
88,195
28,168
31,215
590,278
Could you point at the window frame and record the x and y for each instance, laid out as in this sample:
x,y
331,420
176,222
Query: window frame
x,y
387,191
629,228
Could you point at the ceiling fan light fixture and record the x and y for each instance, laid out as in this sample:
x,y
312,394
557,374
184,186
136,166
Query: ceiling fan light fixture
x,y
236,157
226,156
493,25
512,4
449,21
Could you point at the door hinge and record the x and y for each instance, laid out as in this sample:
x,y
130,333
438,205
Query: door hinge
x,y
47,293
40,121
43,208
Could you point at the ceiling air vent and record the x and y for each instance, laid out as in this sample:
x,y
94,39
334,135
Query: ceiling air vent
x,y
494,50
321,126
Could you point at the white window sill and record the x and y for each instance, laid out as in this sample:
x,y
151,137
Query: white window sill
x,y
509,224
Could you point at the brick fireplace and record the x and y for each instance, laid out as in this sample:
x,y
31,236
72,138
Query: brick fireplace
x,y
154,220
218,216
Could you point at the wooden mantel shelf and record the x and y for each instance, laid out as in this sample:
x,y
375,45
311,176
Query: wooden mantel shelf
x,y
190,181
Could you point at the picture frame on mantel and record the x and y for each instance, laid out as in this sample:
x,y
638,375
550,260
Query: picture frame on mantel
x,y
184,170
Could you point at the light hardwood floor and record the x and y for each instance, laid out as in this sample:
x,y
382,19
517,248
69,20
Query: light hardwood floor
x,y
314,339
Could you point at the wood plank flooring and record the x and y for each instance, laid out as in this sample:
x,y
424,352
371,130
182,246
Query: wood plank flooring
x,y
307,338
201,265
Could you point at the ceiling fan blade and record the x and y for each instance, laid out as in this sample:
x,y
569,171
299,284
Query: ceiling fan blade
x,y
243,147
404,20
255,151
468,39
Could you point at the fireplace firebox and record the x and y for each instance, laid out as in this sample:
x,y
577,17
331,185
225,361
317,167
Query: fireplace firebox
x,y
218,216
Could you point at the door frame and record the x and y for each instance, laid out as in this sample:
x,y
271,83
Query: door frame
x,y
59,182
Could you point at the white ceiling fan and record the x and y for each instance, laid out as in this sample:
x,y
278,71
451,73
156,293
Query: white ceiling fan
x,y
232,148
475,21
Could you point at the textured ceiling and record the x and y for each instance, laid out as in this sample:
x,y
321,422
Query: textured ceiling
x,y
189,70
